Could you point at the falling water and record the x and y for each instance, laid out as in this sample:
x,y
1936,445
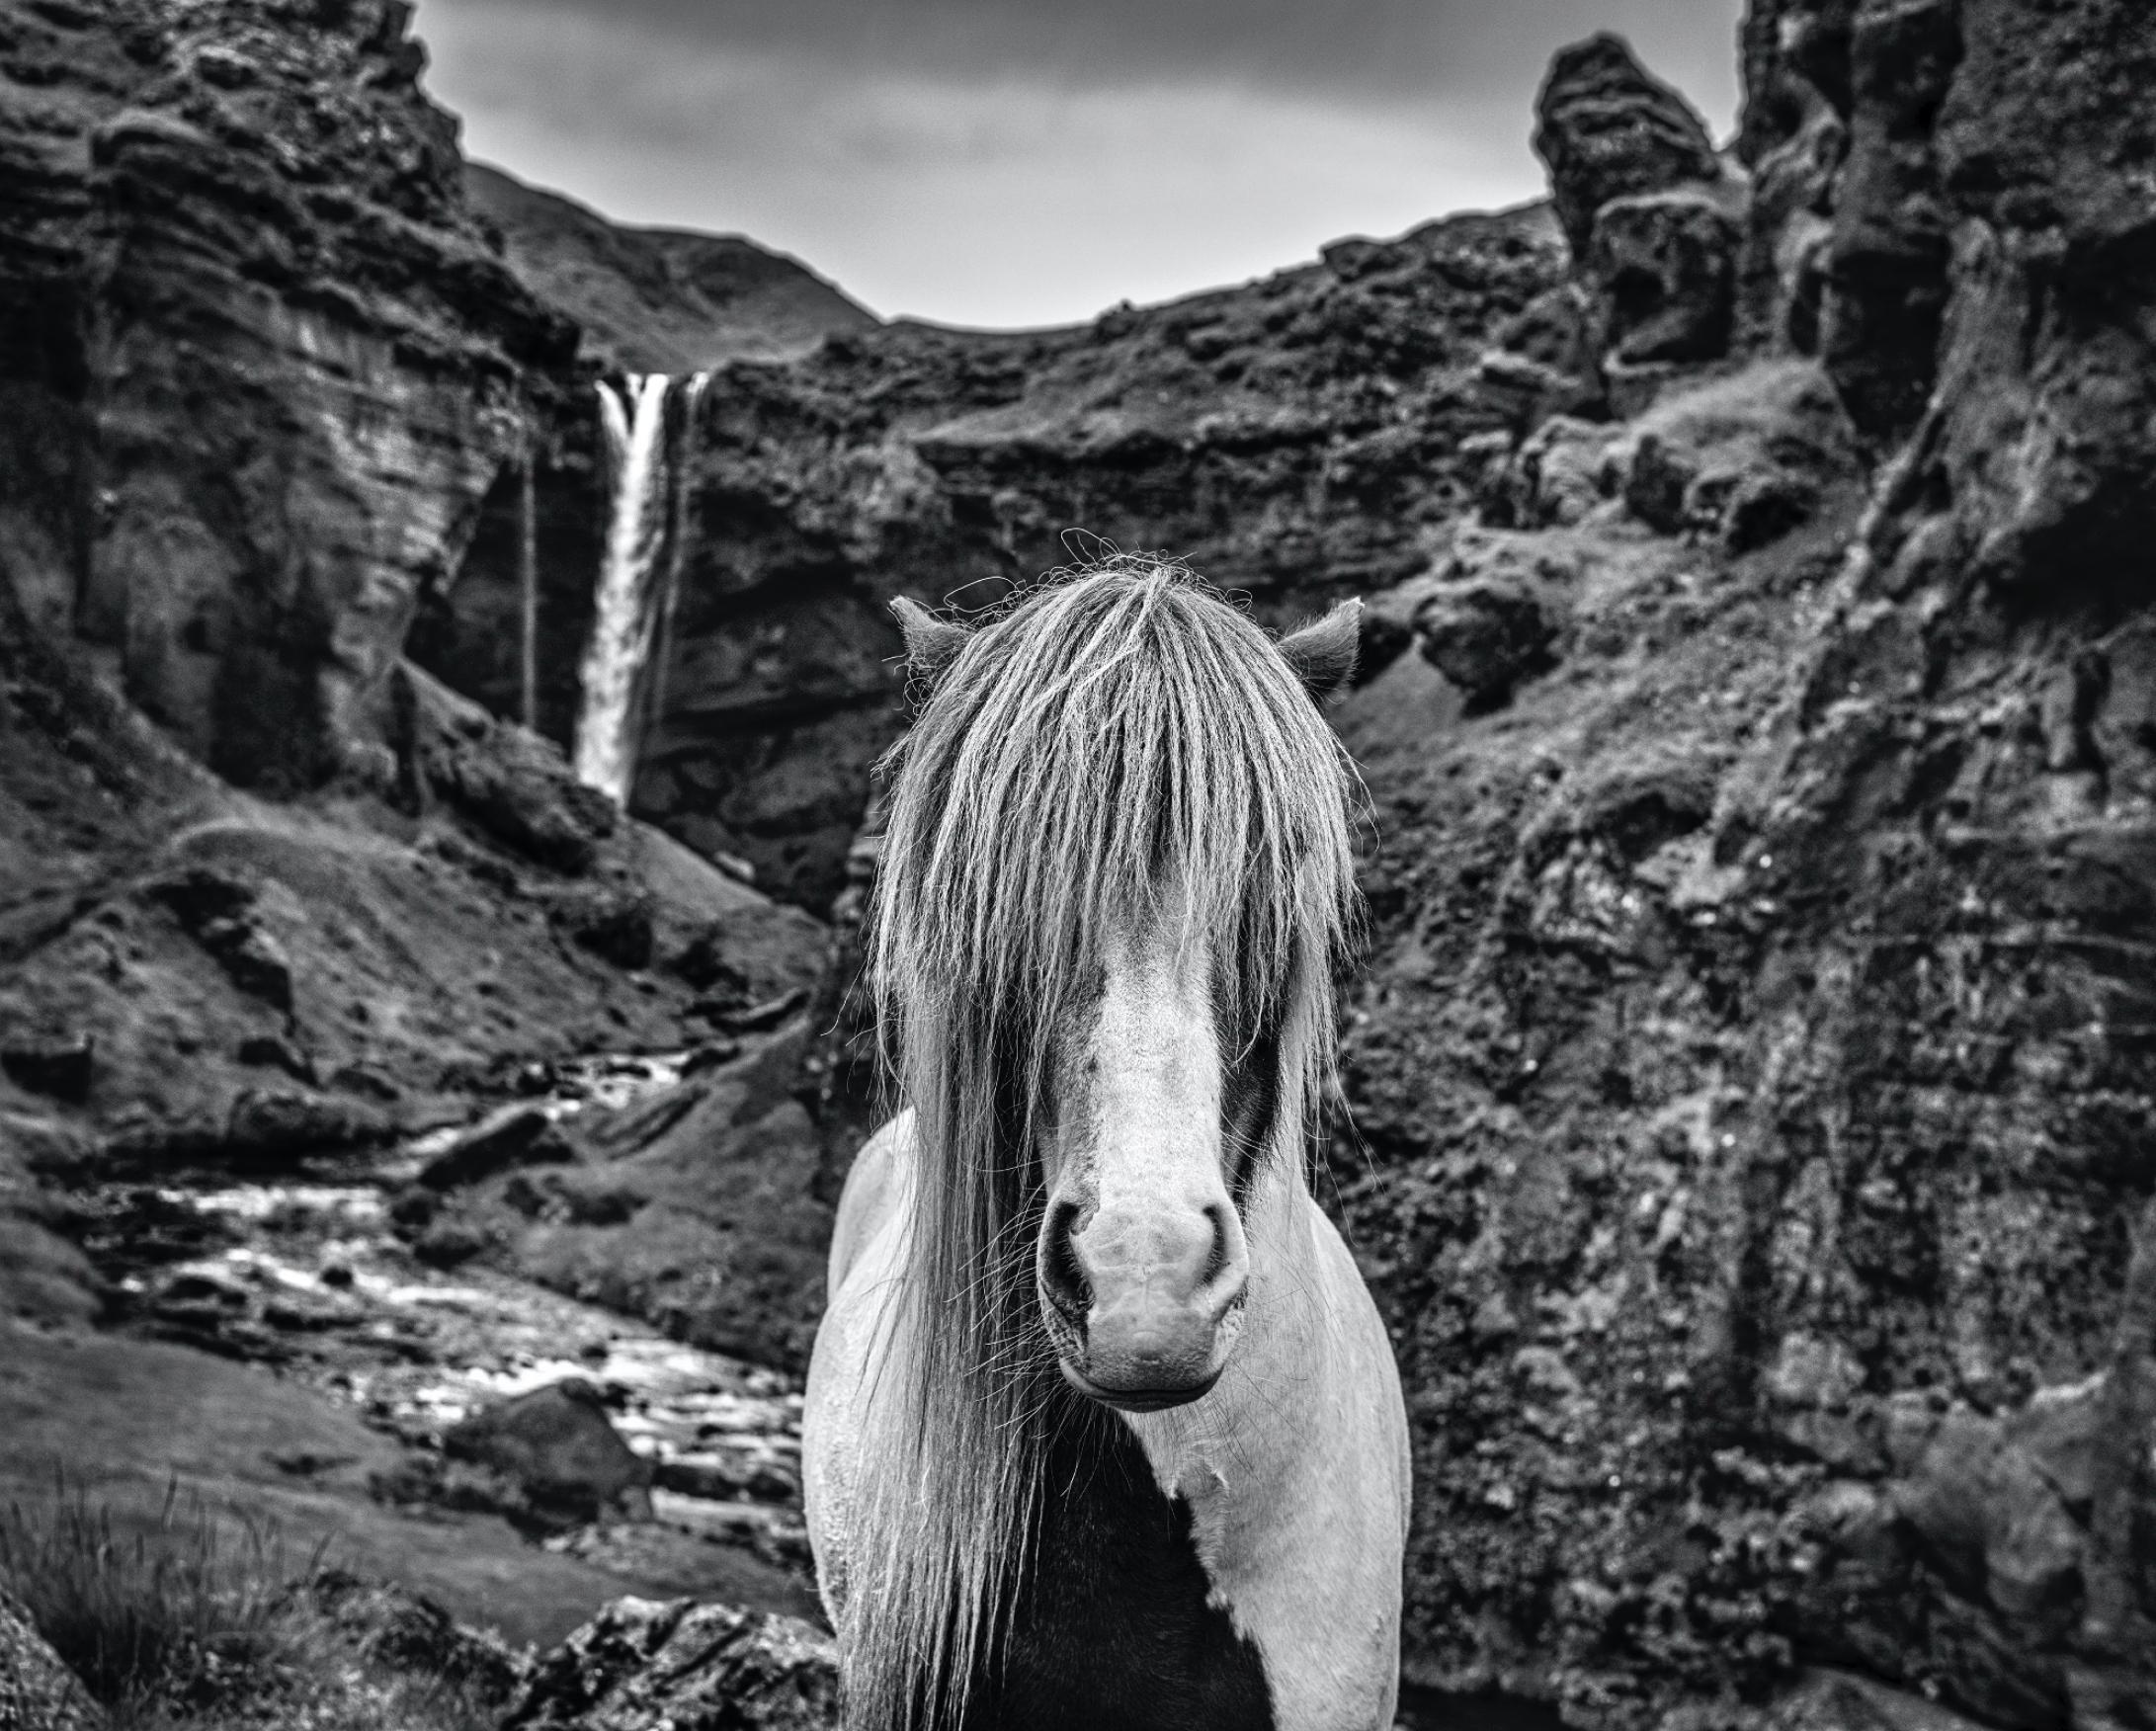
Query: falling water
x,y
623,615
678,546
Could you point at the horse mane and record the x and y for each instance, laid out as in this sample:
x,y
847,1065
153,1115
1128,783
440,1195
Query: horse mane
x,y
1121,745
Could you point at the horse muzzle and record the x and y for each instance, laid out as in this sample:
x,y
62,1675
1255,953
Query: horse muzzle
x,y
1144,1313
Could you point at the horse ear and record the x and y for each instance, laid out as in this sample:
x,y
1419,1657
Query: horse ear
x,y
932,644
1323,654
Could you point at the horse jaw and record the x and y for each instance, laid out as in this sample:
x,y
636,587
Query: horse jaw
x,y
1143,1263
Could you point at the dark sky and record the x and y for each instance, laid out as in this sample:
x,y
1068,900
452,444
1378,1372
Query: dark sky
x,y
1009,162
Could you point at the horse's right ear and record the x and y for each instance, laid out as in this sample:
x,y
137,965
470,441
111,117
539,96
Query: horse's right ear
x,y
932,644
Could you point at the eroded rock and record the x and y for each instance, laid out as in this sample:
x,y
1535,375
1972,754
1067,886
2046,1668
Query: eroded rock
x,y
37,1692
1607,131
1664,269
640,1663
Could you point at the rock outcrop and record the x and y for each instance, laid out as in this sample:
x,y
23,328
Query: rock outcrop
x,y
641,1664
1750,1060
259,363
36,1692
563,1460
1651,215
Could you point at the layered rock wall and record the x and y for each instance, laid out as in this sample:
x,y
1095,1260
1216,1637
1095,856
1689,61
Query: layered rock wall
x,y
1752,1071
266,359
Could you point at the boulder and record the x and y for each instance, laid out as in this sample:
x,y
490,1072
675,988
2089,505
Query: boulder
x,y
514,1136
1608,130
37,1692
510,782
559,1449
640,1665
1488,635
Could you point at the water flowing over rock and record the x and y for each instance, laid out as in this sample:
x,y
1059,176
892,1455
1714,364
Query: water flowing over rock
x,y
623,620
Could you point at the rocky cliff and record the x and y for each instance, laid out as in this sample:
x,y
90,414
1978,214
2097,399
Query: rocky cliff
x,y
265,887
1752,1071
1299,438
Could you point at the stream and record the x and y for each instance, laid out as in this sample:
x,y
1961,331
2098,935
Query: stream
x,y
308,1274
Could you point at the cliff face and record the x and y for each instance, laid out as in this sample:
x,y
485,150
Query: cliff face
x,y
264,887
1297,439
260,362
1752,1067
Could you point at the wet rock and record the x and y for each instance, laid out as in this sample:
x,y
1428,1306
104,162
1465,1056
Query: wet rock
x,y
697,1666
723,1477
244,232
37,1692
558,1446
270,1126
451,1241
1606,129
515,1136
727,1243
61,1069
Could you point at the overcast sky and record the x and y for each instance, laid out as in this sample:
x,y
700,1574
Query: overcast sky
x,y
1013,162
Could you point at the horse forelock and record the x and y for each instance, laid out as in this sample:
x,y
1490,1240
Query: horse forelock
x,y
1122,751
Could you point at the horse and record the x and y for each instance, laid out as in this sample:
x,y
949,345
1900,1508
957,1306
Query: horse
x,y
1101,1426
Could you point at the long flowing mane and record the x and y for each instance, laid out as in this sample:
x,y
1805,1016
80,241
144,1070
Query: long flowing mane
x,y
1123,744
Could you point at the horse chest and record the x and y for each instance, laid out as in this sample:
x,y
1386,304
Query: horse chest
x,y
1114,1629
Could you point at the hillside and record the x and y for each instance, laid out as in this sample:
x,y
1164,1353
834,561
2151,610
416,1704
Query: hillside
x,y
658,300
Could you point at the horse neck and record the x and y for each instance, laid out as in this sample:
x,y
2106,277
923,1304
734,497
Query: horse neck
x,y
1267,1399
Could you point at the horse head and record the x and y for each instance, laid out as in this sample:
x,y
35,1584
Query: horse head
x,y
1175,912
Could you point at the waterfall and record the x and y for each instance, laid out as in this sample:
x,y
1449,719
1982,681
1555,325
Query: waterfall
x,y
622,613
677,553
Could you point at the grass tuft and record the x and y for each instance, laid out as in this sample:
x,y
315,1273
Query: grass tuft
x,y
202,1622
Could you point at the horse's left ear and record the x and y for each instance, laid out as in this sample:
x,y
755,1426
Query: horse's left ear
x,y
1323,654
932,644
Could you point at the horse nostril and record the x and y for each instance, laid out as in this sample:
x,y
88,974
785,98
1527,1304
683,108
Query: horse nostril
x,y
1060,1275
1216,1216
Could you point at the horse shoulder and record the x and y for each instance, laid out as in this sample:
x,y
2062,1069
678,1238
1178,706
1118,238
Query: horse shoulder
x,y
864,1262
1371,1367
871,1190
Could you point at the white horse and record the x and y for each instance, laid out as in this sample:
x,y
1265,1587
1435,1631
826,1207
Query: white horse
x,y
1102,1430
